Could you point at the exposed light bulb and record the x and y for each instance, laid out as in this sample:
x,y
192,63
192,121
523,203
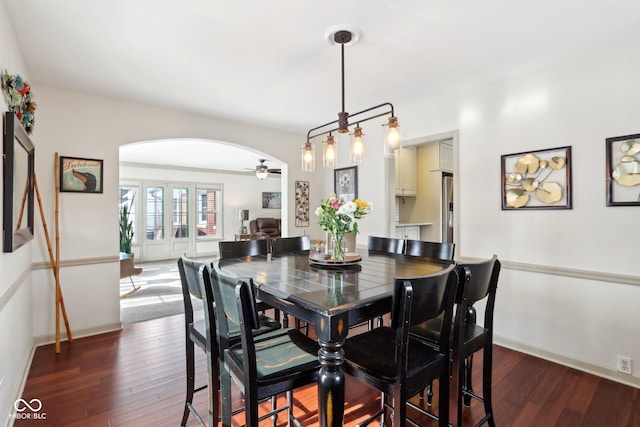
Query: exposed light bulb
x,y
308,157
358,148
392,138
330,154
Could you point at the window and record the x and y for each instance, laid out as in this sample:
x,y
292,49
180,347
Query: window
x,y
128,195
209,221
155,213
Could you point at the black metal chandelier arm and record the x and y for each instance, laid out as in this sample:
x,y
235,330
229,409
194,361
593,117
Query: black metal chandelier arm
x,y
311,135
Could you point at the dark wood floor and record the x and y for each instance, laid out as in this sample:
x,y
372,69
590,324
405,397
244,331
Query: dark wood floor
x,y
135,377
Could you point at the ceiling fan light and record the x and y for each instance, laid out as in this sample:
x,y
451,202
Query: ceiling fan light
x,y
392,138
330,153
308,157
358,147
262,173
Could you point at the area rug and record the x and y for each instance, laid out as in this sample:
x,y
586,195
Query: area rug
x,y
159,293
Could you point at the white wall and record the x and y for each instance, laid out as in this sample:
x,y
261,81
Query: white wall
x,y
555,310
16,339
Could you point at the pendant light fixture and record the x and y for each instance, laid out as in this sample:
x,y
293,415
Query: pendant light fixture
x,y
392,137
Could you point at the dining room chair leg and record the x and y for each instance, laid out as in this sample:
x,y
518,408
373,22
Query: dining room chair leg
x,y
225,397
190,381
486,383
467,384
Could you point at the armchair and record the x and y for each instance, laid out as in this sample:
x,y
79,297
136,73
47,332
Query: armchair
x,y
262,228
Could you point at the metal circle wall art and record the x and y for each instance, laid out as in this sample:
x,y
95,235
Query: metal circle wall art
x,y
537,179
623,170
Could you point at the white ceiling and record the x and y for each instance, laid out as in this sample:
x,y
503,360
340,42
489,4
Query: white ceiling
x,y
268,63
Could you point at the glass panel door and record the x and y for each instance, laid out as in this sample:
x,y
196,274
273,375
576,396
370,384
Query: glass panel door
x,y
180,213
155,213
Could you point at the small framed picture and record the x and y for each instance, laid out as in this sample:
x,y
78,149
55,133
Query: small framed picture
x,y
79,175
539,179
623,170
345,183
271,200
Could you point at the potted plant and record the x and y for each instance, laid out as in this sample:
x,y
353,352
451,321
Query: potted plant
x,y
126,230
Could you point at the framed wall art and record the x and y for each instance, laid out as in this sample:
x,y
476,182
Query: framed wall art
x,y
271,200
537,179
18,179
345,183
623,170
302,203
79,175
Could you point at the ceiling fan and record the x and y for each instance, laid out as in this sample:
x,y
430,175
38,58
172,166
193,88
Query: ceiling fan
x,y
262,171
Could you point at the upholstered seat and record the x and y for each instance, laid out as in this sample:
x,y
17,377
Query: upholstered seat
x,y
261,228
128,269
262,367
201,333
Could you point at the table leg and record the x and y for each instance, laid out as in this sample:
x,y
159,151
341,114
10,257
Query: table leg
x,y
331,384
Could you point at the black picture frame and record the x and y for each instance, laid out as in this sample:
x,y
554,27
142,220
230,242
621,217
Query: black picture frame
x,y
523,188
345,183
81,175
621,176
18,184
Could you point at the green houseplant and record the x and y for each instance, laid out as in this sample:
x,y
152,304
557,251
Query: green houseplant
x,y
126,230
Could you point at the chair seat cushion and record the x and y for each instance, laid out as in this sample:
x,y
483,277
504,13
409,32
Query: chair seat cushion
x,y
373,352
278,354
198,330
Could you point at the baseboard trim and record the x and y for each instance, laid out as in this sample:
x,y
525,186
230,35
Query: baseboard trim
x,y
50,339
19,389
581,365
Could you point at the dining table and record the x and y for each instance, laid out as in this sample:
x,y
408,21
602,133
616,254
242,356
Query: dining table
x,y
332,297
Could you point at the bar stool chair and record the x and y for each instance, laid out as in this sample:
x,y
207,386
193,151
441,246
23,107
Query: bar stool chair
x,y
288,245
202,333
433,250
246,248
387,360
481,282
264,366
243,248
385,245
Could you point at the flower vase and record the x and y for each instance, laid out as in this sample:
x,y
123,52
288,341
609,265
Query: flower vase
x,y
337,250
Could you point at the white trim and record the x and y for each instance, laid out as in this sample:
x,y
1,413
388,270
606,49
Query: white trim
x,y
50,339
601,276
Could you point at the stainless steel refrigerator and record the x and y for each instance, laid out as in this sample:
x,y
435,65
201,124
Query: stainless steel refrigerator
x,y
447,207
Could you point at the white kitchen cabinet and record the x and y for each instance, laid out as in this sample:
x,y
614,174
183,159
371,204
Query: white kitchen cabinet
x,y
408,232
446,156
407,172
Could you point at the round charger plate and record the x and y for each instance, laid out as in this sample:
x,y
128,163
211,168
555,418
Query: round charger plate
x,y
322,259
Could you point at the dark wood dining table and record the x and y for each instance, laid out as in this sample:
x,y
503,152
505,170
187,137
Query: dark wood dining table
x,y
332,298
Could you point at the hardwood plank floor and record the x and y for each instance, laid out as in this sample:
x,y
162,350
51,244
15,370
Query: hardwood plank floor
x,y
135,377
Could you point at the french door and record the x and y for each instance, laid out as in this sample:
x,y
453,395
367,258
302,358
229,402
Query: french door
x,y
167,212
